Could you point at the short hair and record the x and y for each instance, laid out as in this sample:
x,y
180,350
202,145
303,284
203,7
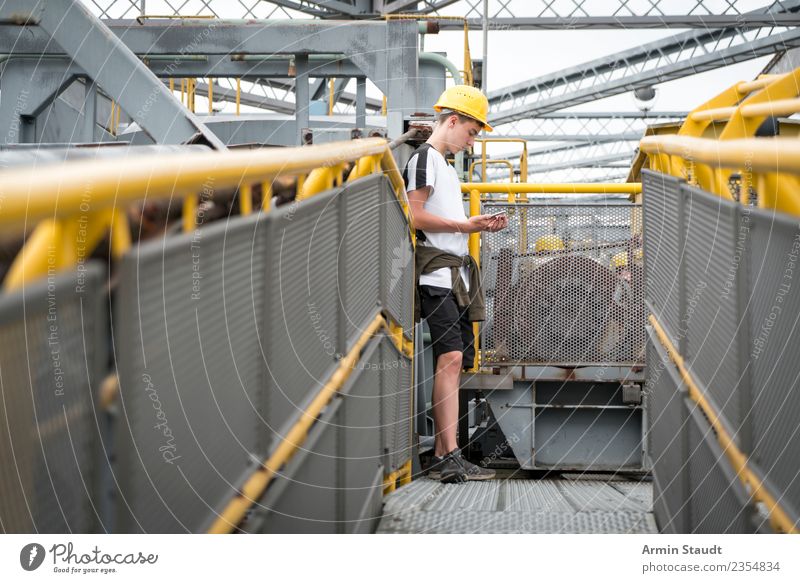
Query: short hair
x,y
442,117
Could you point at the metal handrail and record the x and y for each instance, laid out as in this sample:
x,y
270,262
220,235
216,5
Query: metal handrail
x,y
98,188
553,188
760,160
778,517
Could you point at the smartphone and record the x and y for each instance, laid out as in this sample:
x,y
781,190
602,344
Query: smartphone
x,y
498,214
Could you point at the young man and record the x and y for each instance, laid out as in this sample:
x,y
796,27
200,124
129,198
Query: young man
x,y
449,294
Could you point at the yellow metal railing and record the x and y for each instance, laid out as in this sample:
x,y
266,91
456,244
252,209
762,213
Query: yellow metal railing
x,y
523,158
729,122
778,518
79,202
769,167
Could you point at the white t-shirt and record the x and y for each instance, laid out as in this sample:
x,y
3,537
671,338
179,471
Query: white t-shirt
x,y
427,167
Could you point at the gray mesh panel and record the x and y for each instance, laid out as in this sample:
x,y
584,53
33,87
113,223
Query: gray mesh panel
x,y
359,250
302,305
666,438
362,462
717,501
334,482
191,372
710,321
397,261
774,310
567,306
663,247
53,350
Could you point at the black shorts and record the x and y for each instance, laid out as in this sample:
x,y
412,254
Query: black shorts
x,y
449,325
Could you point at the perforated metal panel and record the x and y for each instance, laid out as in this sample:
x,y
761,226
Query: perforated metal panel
x,y
666,437
191,373
334,482
53,353
301,318
717,500
395,406
774,315
664,247
563,285
710,320
397,257
360,259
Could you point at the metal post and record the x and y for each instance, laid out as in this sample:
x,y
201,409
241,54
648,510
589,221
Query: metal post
x,y
301,95
90,133
361,102
484,76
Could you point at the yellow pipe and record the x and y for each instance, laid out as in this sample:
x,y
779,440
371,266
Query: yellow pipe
x,y
120,232
506,163
716,114
562,188
238,94
189,213
245,199
254,487
331,86
266,196
746,87
777,516
33,259
30,194
772,108
210,96
319,180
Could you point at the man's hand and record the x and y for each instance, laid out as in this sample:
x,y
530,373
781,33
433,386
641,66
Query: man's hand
x,y
489,223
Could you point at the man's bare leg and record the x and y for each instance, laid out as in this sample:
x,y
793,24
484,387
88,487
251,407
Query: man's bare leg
x,y
446,381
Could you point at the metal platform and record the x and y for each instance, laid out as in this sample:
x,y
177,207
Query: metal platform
x,y
584,506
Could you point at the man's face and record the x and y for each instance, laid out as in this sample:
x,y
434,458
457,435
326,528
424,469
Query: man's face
x,y
461,135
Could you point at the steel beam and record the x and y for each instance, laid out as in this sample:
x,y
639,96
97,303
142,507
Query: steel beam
x,y
28,89
386,52
107,60
703,21
655,62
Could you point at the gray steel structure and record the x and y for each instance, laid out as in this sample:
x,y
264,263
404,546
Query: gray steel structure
x,y
717,283
386,53
656,62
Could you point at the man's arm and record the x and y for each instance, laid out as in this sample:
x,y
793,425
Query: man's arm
x,y
432,223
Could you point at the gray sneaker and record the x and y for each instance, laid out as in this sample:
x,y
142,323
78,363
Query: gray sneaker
x,y
448,469
474,472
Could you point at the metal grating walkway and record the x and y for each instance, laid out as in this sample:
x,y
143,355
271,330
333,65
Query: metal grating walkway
x,y
520,506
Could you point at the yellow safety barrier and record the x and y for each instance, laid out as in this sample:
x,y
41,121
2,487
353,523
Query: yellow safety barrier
x,y
79,190
778,518
523,158
506,163
765,165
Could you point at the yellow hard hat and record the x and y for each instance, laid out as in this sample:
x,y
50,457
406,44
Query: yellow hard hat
x,y
466,100
549,243
619,260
